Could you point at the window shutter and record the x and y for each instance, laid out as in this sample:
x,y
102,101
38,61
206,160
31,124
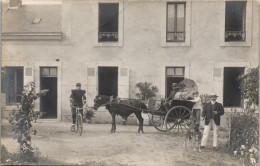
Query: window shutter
x,y
92,85
28,74
123,82
216,72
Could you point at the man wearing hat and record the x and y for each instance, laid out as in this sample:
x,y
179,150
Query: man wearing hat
x,y
77,99
211,113
168,101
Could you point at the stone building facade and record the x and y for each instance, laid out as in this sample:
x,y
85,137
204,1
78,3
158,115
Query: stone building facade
x,y
109,46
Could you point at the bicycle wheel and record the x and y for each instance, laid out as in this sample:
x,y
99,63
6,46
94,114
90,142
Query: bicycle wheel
x,y
80,124
77,123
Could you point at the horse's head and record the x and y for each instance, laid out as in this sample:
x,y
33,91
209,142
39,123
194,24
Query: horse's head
x,y
100,100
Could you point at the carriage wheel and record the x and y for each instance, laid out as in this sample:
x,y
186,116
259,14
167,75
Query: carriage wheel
x,y
176,118
158,122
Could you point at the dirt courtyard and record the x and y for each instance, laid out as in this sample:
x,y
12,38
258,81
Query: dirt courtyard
x,y
97,146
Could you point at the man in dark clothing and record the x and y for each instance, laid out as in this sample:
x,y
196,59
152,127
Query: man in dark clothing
x,y
77,99
168,101
211,113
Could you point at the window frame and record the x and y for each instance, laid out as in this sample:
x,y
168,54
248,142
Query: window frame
x,y
244,20
249,25
99,41
120,42
8,102
49,68
175,21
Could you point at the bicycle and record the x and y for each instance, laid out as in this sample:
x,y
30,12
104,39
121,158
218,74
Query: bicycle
x,y
79,120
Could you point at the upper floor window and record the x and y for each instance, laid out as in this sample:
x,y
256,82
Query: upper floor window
x,y
108,22
175,31
235,21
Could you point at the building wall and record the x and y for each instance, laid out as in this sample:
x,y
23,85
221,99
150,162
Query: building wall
x,y
141,50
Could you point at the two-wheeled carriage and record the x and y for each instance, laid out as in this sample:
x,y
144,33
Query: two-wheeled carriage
x,y
175,119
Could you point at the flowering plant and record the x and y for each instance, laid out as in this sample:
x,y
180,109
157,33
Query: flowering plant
x,y
244,133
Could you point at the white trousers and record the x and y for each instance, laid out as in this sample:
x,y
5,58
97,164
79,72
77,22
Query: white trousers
x,y
206,133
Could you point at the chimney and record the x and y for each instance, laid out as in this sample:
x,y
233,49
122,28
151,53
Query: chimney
x,y
15,4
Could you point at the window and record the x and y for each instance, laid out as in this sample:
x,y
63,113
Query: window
x,y
175,22
108,22
48,72
173,75
12,84
235,21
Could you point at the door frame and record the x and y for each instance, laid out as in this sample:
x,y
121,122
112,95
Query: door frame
x,y
218,81
98,76
92,81
37,78
186,66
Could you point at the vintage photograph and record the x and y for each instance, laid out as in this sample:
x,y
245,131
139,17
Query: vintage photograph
x,y
130,82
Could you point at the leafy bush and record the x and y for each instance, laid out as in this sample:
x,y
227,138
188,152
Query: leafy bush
x,y
249,85
20,120
146,91
244,133
244,137
4,154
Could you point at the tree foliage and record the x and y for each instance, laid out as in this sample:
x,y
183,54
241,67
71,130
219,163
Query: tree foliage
x,y
21,118
146,91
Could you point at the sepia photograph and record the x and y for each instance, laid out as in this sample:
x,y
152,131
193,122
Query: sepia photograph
x,y
130,82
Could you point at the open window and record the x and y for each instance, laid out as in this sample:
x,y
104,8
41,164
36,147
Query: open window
x,y
175,31
12,84
108,22
235,21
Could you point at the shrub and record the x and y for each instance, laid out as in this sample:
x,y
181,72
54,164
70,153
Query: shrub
x,y
4,154
244,137
249,86
244,133
20,120
146,91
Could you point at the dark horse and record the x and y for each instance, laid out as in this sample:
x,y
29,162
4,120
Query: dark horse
x,y
100,100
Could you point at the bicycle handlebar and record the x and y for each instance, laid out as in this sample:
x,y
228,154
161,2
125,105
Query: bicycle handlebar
x,y
76,107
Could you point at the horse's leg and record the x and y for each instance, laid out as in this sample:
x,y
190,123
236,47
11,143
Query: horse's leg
x,y
113,122
141,120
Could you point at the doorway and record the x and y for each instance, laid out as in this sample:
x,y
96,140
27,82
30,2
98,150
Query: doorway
x,y
173,75
232,93
48,103
108,81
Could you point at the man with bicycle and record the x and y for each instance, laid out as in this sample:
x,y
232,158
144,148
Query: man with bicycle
x,y
77,99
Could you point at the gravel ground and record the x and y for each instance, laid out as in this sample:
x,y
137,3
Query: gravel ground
x,y
97,146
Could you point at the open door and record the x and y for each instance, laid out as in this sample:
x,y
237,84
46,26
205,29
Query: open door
x,y
48,103
108,81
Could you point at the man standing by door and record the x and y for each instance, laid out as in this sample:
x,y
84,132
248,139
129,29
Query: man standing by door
x,y
77,99
211,113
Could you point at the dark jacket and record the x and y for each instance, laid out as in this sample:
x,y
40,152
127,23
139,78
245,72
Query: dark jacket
x,y
77,96
207,112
